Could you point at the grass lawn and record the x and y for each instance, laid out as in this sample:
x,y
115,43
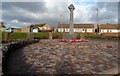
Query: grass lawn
x,y
97,36
41,35
16,35
2,35
57,36
45,35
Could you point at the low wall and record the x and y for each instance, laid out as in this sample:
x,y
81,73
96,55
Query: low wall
x,y
8,48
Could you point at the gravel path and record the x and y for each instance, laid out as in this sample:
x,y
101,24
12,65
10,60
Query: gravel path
x,y
42,59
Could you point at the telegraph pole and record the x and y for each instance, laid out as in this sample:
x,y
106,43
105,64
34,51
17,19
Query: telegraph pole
x,y
97,20
61,22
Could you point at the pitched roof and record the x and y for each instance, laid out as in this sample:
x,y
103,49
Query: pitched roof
x,y
76,26
38,25
109,26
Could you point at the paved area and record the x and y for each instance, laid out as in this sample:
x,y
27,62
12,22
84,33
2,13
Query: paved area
x,y
43,59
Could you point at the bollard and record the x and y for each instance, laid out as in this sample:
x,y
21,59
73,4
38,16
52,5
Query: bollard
x,y
30,35
7,36
50,35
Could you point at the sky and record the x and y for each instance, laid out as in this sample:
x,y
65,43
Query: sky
x,y
23,14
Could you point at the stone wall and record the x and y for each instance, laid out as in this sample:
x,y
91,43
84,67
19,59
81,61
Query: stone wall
x,y
8,48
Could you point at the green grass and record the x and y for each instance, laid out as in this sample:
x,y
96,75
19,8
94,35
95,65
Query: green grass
x,y
14,35
96,36
57,36
92,36
41,35
45,35
2,35
110,36
18,35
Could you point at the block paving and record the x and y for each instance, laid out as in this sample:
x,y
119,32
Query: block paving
x,y
44,59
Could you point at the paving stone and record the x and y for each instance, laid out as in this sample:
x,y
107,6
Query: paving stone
x,y
55,60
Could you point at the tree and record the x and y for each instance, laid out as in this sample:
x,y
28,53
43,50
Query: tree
x,y
2,24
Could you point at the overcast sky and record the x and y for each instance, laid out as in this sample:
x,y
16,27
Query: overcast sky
x,y
23,14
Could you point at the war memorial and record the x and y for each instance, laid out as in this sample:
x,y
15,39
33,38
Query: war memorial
x,y
62,56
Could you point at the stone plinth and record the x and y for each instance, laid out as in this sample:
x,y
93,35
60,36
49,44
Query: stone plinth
x,y
69,36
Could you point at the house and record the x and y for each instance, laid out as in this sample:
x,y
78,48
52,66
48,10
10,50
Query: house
x,y
17,29
40,27
9,30
3,28
25,29
109,29
78,28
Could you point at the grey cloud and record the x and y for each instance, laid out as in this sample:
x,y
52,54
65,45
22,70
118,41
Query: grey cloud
x,y
29,6
21,11
105,17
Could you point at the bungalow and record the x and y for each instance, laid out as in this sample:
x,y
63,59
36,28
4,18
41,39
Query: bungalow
x,y
109,29
40,27
78,28
25,29
17,29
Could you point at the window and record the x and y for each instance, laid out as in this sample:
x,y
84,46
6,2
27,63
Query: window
x,y
60,30
83,30
35,30
114,31
44,27
66,30
89,30
103,31
76,30
80,30
110,30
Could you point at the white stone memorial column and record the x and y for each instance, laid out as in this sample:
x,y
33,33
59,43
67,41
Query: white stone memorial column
x,y
71,27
